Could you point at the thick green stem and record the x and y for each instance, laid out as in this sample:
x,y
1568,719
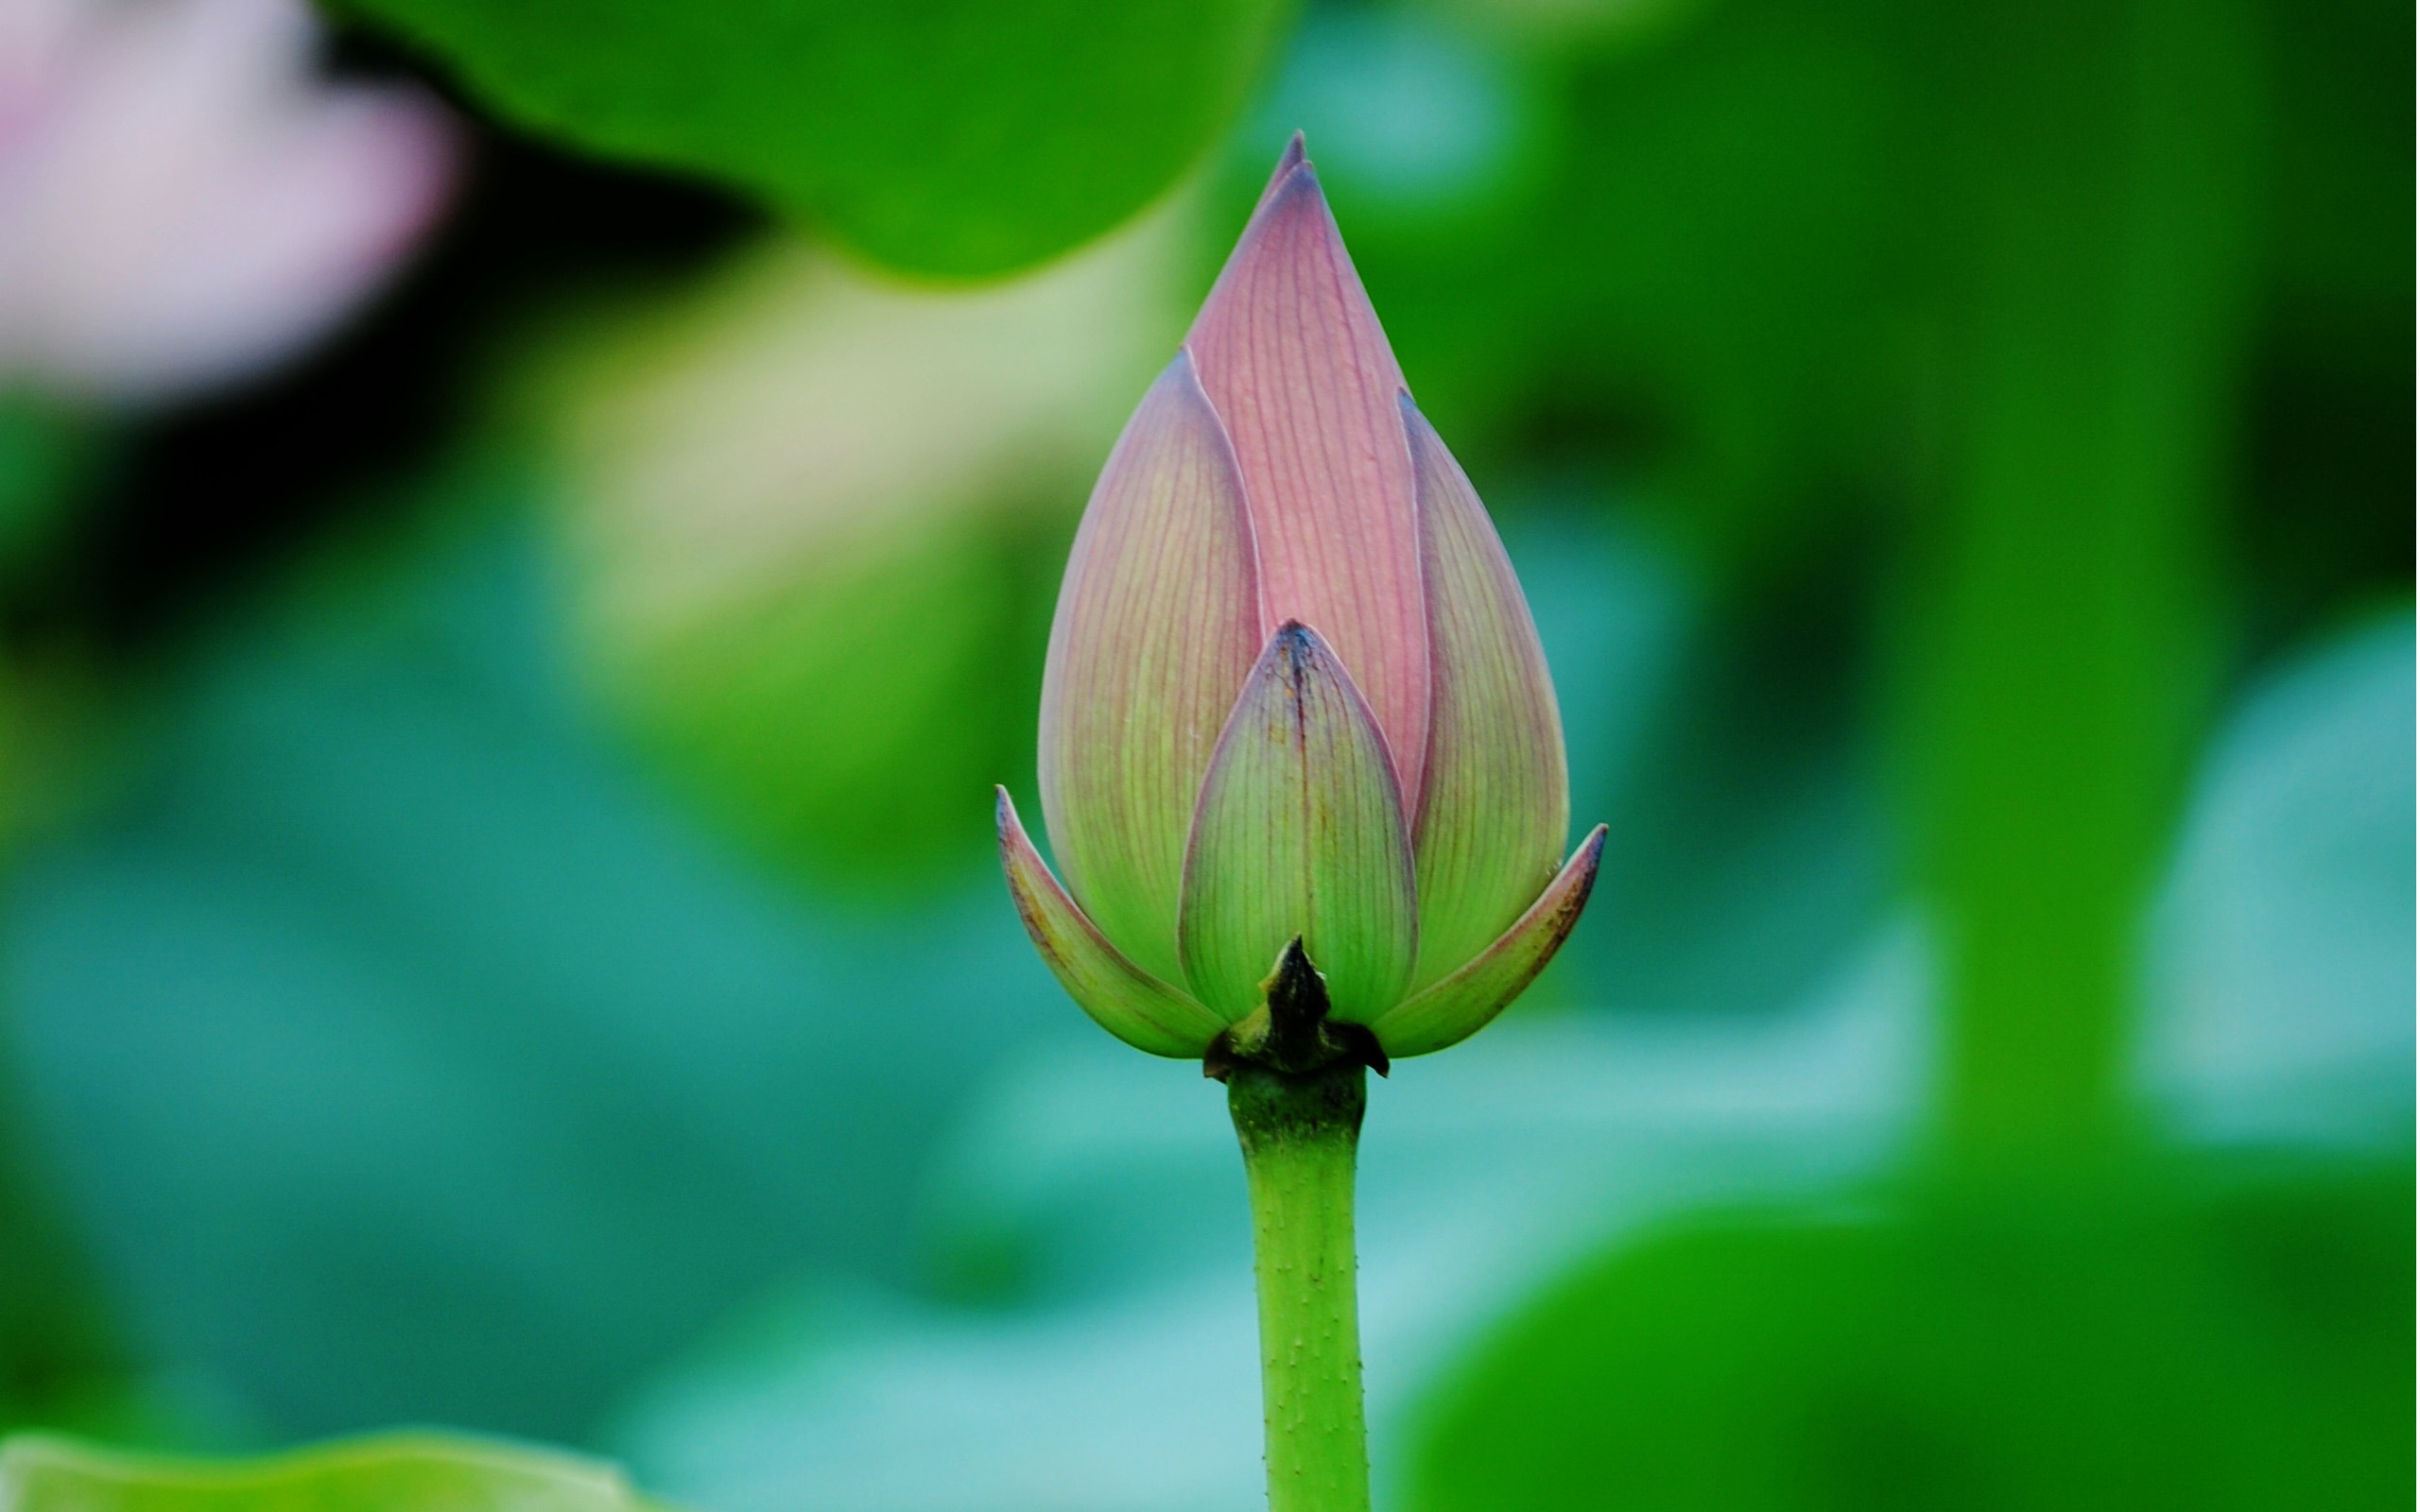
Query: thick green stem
x,y
1298,1134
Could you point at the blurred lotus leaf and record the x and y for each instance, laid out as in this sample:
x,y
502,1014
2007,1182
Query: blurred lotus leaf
x,y
398,1473
2236,1336
405,1056
2230,1329
819,501
957,138
1726,206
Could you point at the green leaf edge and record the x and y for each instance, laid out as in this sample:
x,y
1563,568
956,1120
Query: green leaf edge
x,y
146,1476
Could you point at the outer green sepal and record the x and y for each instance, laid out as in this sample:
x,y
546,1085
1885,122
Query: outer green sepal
x,y
1463,1003
1121,997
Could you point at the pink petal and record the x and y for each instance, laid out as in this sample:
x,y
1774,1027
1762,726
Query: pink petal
x,y
1158,626
1128,1002
1291,355
1496,801
1463,1003
1300,833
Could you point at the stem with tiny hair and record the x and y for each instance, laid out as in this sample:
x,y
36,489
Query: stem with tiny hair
x,y
1299,1134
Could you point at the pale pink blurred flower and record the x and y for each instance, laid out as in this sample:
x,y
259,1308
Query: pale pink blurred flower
x,y
182,203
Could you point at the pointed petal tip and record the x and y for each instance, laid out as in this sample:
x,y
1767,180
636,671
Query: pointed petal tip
x,y
1582,869
1288,161
1299,184
1293,188
1294,359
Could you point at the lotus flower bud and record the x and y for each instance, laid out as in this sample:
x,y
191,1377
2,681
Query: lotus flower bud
x,y
1298,742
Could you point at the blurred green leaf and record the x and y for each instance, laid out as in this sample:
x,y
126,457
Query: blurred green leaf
x,y
1727,203
2237,1341
404,1054
959,137
1684,263
816,523
402,1472
851,719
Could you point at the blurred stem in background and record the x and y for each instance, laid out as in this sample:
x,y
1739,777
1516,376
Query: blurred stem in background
x,y
1298,1134
2102,264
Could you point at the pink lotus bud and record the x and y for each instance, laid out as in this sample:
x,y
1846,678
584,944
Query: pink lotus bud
x,y
1294,692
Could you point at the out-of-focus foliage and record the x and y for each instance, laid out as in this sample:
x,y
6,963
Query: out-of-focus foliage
x,y
813,490
1707,239
1680,251
1913,420
418,1472
517,1080
2211,1338
962,137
